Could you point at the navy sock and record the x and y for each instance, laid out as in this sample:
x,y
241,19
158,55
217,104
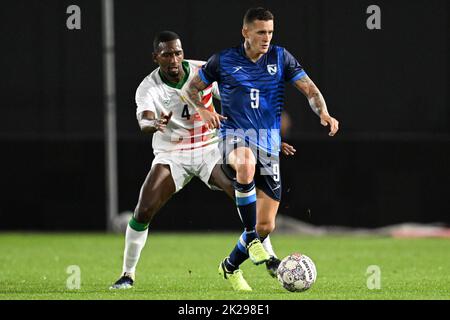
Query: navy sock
x,y
236,258
246,205
239,253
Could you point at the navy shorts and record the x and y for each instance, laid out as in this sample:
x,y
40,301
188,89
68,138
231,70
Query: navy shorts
x,y
267,173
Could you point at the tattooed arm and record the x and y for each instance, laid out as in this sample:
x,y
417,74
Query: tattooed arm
x,y
191,92
317,103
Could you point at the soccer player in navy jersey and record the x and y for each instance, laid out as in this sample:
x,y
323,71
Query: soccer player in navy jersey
x,y
251,80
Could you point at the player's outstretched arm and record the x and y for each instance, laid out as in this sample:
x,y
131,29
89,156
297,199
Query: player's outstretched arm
x,y
149,124
192,94
317,103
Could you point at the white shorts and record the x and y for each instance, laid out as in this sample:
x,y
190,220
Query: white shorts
x,y
185,164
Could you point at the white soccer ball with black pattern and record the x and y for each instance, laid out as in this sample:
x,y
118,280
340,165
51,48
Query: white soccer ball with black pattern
x,y
297,272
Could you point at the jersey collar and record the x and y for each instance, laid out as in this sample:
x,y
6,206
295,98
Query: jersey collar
x,y
180,84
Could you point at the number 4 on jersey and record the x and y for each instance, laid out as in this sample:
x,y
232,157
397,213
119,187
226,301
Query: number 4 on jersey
x,y
185,113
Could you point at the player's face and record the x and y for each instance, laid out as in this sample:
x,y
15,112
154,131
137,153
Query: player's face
x,y
169,58
258,35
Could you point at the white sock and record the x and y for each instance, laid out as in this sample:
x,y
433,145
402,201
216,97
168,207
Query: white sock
x,y
268,246
134,243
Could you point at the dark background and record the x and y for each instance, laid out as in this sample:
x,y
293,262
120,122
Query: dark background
x,y
388,88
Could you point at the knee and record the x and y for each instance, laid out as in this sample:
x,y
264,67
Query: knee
x,y
265,228
244,163
245,172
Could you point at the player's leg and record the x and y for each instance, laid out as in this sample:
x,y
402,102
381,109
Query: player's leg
x,y
269,197
157,188
219,179
243,161
267,208
222,176
235,277
268,191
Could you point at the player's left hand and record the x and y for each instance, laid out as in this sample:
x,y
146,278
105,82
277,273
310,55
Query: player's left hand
x,y
287,149
326,119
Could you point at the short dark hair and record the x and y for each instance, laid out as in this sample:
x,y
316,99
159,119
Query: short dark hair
x,y
259,13
164,36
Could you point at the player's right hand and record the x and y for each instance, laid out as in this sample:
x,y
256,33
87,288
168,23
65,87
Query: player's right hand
x,y
326,119
211,119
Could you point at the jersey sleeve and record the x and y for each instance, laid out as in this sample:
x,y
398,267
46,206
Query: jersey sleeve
x,y
215,91
196,63
292,68
210,71
144,100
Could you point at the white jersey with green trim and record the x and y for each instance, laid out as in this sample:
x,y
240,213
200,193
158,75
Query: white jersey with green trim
x,y
185,130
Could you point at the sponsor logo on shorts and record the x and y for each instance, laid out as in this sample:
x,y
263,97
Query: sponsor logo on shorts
x,y
234,140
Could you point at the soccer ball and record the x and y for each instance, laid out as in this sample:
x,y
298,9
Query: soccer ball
x,y
297,272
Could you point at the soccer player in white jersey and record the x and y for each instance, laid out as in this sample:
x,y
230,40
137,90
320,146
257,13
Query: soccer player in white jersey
x,y
183,146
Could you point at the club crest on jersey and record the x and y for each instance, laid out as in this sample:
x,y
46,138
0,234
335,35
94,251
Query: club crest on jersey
x,y
166,102
272,69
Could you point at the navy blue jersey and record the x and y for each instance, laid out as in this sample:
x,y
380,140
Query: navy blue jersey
x,y
252,93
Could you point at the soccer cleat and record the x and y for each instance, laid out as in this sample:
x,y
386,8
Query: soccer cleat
x,y
256,252
125,282
236,278
272,266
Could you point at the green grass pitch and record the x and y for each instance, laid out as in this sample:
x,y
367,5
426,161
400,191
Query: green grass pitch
x,y
177,266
